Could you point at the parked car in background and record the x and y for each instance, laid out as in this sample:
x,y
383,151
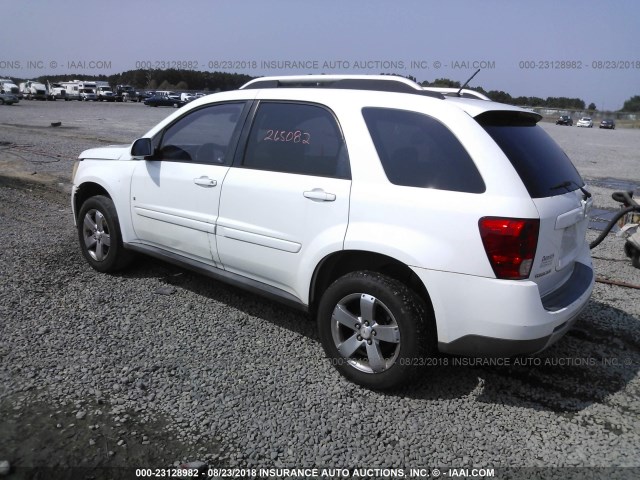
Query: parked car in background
x,y
8,99
164,100
88,94
565,120
126,93
373,204
132,96
167,93
142,96
585,122
105,94
608,123
87,90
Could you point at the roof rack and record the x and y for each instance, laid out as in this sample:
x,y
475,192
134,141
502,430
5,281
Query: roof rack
x,y
382,83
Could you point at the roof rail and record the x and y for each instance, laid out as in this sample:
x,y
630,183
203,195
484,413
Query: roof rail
x,y
383,83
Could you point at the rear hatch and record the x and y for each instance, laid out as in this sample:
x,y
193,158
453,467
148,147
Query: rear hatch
x,y
556,188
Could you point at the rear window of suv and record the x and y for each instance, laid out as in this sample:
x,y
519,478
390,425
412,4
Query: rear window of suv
x,y
545,169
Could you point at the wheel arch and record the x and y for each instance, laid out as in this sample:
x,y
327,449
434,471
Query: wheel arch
x,y
85,191
340,263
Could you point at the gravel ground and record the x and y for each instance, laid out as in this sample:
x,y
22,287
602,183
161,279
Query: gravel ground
x,y
158,366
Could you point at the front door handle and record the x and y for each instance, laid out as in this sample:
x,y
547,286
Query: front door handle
x,y
319,195
205,181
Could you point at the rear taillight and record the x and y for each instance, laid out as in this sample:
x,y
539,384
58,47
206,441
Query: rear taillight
x,y
510,244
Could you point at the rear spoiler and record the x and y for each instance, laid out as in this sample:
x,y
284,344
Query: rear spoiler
x,y
508,118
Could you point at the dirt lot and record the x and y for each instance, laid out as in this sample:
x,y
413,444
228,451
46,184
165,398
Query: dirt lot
x,y
157,366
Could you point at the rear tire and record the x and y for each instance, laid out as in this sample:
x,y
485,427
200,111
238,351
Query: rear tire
x,y
100,237
375,330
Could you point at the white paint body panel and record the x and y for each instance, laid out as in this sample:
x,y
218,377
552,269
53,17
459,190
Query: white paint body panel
x,y
270,232
171,210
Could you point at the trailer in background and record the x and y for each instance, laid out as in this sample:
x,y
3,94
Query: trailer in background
x,y
79,90
32,90
7,86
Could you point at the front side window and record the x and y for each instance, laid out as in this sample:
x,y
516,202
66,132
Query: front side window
x,y
202,136
296,138
417,150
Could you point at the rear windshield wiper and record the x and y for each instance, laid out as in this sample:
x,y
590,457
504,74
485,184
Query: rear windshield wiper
x,y
566,184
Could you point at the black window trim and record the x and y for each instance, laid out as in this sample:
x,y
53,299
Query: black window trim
x,y
158,138
243,144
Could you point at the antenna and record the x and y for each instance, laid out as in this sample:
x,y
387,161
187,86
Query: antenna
x,y
465,83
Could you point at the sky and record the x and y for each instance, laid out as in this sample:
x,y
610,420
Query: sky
x,y
586,49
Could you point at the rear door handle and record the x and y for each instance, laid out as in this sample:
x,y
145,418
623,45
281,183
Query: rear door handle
x,y
205,181
319,195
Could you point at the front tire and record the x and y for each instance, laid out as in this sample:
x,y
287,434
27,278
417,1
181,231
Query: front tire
x,y
375,330
100,237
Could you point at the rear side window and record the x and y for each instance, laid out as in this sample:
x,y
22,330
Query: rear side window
x,y
542,165
296,138
418,151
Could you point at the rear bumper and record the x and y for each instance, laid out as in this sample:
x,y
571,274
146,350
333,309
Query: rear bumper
x,y
487,317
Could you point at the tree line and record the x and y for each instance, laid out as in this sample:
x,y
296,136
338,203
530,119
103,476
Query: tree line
x,y
174,79
504,97
632,105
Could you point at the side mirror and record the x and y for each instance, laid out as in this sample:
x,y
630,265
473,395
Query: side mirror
x,y
141,148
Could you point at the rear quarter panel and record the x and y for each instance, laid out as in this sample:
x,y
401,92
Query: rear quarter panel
x,y
423,227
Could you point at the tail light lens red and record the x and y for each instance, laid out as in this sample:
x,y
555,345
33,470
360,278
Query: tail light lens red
x,y
510,244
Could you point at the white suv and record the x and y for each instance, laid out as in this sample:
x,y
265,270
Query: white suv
x,y
405,221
